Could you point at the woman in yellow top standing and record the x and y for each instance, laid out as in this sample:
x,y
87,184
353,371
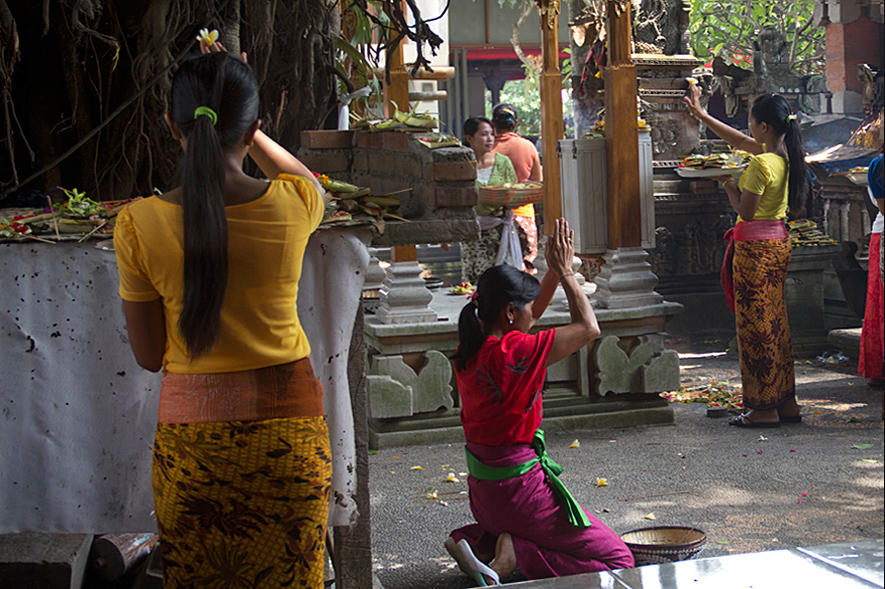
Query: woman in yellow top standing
x,y
209,279
755,268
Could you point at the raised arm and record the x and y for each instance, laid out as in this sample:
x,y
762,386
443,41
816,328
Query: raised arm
x,y
584,328
724,131
274,159
271,157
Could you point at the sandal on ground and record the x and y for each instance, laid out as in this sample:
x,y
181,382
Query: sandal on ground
x,y
743,420
470,564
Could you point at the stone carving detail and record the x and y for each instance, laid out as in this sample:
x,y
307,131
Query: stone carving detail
x,y
661,26
647,369
695,250
771,73
396,390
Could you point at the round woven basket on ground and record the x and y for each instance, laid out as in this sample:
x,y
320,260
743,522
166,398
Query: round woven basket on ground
x,y
664,544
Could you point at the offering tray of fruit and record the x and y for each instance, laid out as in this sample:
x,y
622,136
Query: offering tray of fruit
x,y
511,195
77,219
805,233
858,175
352,205
711,166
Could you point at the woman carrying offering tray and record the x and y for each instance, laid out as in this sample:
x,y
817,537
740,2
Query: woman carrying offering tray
x,y
527,164
755,266
496,230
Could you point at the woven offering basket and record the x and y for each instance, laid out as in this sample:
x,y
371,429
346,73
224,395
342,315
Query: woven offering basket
x,y
661,545
503,196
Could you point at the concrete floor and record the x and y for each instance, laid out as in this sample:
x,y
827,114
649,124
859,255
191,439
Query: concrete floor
x,y
812,484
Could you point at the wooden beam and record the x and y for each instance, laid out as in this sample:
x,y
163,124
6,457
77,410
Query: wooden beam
x,y
551,109
438,73
621,131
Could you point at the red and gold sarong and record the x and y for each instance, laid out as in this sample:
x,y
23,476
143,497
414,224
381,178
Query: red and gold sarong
x,y
872,342
764,343
243,502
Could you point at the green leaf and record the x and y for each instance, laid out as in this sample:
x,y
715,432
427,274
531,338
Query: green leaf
x,y
871,460
862,446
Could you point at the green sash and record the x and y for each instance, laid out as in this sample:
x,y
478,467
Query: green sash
x,y
483,472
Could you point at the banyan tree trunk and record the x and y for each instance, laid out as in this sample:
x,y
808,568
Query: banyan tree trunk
x,y
103,68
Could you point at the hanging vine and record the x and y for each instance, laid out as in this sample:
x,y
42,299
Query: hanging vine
x,y
83,83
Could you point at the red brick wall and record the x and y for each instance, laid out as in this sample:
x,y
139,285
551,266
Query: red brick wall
x,y
441,178
849,44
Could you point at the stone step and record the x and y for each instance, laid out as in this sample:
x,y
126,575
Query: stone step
x,y
847,340
43,561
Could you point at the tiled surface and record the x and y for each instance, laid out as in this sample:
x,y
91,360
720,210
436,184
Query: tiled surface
x,y
863,559
835,566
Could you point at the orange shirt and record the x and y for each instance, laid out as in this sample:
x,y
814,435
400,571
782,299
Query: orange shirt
x,y
522,154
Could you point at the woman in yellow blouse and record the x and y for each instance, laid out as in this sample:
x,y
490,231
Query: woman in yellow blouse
x,y
209,279
755,268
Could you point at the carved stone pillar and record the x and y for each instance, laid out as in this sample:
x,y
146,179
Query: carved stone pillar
x,y
404,296
625,280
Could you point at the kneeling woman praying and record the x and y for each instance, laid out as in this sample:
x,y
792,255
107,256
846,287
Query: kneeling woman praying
x,y
525,516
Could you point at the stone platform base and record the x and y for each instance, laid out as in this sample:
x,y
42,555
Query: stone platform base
x,y
847,340
445,427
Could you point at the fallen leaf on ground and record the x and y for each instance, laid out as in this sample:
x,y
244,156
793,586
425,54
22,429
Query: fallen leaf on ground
x,y
452,478
601,482
575,444
649,516
862,446
417,468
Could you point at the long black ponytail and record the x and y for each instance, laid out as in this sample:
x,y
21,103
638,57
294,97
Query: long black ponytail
x,y
774,110
227,88
498,286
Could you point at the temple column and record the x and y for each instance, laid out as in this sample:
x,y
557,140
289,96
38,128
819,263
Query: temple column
x,y
551,109
625,279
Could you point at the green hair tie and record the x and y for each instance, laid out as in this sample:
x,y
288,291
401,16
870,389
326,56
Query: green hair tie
x,y
791,117
205,110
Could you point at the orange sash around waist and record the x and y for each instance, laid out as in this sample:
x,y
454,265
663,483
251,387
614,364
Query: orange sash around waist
x,y
286,390
756,230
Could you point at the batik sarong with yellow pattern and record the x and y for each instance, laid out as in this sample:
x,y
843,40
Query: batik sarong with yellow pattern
x,y
243,502
764,343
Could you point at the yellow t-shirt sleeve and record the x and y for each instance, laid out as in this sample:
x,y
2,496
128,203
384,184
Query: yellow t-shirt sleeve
x,y
316,208
757,177
135,285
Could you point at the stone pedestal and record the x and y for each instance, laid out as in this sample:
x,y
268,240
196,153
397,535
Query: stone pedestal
x,y
375,274
404,296
411,384
662,84
804,292
625,280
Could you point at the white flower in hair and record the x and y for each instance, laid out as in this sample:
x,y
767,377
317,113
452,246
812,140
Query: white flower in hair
x,y
209,37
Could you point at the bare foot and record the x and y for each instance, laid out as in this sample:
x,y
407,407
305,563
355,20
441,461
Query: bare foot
x,y
505,556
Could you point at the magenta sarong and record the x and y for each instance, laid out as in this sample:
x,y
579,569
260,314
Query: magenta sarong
x,y
545,542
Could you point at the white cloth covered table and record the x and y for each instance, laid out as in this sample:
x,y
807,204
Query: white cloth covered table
x,y
78,415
